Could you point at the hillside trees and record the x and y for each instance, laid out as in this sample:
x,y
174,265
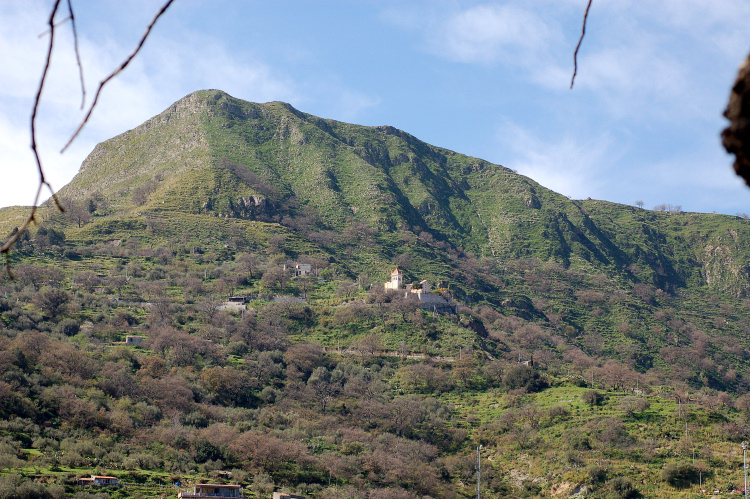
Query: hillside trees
x,y
54,302
324,385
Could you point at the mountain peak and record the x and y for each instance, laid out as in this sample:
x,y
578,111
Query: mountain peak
x,y
213,154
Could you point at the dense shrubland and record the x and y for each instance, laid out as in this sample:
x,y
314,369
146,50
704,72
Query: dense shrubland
x,y
355,392
596,348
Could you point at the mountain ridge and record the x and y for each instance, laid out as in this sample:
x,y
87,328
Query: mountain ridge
x,y
210,153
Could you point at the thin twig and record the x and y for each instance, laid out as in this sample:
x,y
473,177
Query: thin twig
x,y
58,23
42,180
580,40
116,72
5,248
78,54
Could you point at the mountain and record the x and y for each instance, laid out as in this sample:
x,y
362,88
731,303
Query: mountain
x,y
212,154
331,385
213,172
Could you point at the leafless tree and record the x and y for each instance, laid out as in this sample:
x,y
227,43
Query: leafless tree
x,y
325,385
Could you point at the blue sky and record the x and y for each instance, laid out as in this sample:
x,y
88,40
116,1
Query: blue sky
x,y
487,79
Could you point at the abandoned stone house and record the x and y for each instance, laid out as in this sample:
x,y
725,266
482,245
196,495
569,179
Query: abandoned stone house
x,y
234,303
133,340
303,269
422,293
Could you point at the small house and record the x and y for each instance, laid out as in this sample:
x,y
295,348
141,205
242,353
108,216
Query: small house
x,y
302,269
211,490
101,480
234,303
133,340
281,495
105,480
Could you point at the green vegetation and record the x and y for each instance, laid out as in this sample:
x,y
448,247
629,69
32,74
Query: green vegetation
x,y
596,348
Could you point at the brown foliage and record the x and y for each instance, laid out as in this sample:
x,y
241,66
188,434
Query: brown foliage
x,y
228,385
68,363
179,347
263,452
171,393
301,359
424,378
53,302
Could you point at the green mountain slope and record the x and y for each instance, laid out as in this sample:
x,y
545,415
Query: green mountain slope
x,y
330,386
612,280
213,154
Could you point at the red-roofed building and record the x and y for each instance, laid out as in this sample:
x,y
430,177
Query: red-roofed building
x,y
99,480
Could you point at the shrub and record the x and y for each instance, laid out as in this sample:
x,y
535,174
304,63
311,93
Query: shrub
x,y
71,254
596,473
530,489
15,487
622,487
735,432
632,405
524,377
592,397
68,327
613,435
679,474
579,440
206,451
558,412
237,348
142,461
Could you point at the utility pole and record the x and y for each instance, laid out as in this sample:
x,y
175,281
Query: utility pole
x,y
744,464
479,472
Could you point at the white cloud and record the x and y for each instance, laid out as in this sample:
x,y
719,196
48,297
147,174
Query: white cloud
x,y
170,66
189,61
491,33
639,82
663,59
566,165
352,104
641,59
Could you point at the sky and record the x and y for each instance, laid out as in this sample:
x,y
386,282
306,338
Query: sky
x,y
489,79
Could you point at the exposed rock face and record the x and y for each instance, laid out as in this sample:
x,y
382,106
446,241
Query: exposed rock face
x,y
724,272
253,206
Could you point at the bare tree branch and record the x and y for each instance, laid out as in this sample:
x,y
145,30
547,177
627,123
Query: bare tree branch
x,y
116,72
5,248
78,54
580,40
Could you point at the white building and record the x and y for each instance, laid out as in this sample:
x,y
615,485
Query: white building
x,y
302,269
397,279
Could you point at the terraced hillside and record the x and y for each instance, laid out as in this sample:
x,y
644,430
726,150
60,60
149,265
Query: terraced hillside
x,y
217,197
